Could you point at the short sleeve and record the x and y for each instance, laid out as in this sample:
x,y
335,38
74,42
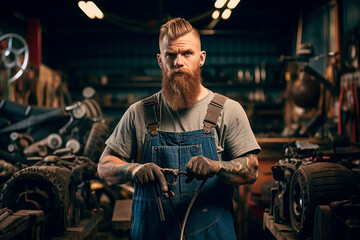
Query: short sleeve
x,y
239,137
123,138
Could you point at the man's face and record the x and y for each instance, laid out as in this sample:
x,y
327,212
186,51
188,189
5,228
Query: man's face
x,y
180,60
183,52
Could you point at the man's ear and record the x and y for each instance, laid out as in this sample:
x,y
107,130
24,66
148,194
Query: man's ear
x,y
202,57
159,60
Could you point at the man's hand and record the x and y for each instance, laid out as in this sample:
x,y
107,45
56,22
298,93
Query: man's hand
x,y
148,173
200,167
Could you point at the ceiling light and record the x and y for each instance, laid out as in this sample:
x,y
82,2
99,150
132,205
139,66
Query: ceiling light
x,y
233,3
220,3
95,9
84,7
226,14
215,14
90,9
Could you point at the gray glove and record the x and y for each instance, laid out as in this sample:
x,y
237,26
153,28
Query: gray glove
x,y
148,173
200,167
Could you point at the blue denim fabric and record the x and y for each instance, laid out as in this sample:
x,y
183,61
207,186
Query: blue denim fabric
x,y
212,214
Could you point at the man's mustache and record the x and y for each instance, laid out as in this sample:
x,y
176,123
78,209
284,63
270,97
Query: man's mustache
x,y
179,72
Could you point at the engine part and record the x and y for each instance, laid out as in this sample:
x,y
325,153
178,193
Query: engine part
x,y
47,188
15,55
316,184
313,184
305,92
74,145
54,141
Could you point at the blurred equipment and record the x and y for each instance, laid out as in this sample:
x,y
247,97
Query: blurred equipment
x,y
48,166
305,91
317,193
308,100
15,55
58,186
38,131
349,110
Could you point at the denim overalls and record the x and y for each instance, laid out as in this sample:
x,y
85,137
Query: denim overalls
x,y
211,217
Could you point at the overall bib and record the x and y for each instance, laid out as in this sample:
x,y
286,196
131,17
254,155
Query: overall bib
x,y
211,216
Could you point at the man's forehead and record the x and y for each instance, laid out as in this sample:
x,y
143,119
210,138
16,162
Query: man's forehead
x,y
188,41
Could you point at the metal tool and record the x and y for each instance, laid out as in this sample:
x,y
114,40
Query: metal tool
x,y
175,173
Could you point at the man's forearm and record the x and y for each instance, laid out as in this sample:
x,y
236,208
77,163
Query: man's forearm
x,y
242,170
113,169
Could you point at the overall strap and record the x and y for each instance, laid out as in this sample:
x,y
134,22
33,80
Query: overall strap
x,y
213,112
150,104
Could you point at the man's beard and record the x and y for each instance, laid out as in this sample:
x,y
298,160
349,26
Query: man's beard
x,y
181,87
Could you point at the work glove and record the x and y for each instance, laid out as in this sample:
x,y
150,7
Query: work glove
x,y
200,167
149,173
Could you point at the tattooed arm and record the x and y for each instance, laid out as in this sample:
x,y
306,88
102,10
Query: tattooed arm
x,y
242,170
113,169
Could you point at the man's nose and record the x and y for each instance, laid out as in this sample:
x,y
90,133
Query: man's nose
x,y
179,61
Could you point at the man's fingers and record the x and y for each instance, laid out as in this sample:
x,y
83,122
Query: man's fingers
x,y
150,177
139,179
161,179
191,166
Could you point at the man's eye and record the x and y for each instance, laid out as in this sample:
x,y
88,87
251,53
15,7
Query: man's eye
x,y
188,53
170,55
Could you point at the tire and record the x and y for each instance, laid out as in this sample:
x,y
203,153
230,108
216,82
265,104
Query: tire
x,y
47,188
95,142
317,184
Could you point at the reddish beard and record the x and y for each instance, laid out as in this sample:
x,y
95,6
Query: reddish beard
x,y
181,87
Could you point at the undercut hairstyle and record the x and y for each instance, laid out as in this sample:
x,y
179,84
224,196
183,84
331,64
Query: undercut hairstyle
x,y
176,28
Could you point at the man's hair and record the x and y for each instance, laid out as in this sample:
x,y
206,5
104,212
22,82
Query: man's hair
x,y
176,28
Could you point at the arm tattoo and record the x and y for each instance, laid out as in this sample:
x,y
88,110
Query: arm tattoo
x,y
242,170
113,168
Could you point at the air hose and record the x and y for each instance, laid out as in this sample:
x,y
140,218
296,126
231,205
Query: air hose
x,y
169,194
189,209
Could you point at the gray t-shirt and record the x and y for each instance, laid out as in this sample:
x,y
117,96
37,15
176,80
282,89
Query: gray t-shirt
x,y
233,134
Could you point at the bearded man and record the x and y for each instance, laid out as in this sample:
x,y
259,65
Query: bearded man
x,y
187,131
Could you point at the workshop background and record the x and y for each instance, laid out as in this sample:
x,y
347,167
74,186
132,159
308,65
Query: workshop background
x,y
66,79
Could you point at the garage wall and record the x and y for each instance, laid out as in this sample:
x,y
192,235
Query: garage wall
x,y
136,54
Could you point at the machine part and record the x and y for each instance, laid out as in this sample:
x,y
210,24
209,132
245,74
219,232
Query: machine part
x,y
12,148
54,141
20,141
93,109
6,170
16,49
305,50
106,197
95,142
4,213
47,188
305,92
74,145
79,111
88,92
39,147
322,223
14,136
352,223
314,184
